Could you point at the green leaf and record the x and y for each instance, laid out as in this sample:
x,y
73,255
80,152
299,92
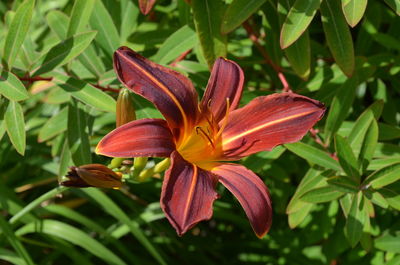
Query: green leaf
x,y
388,132
340,107
86,93
208,20
15,125
343,184
63,52
54,126
298,217
383,177
179,42
80,15
58,23
6,229
321,194
392,197
355,220
346,158
17,32
11,87
107,36
369,145
72,235
297,21
299,56
65,160
313,155
338,36
111,208
389,242
78,138
129,19
376,198
238,12
353,10
314,178
395,5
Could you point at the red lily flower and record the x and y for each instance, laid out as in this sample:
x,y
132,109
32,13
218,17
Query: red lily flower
x,y
198,136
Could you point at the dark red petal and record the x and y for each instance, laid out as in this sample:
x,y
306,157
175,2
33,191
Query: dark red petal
x,y
146,137
187,194
171,92
267,122
146,6
251,192
226,82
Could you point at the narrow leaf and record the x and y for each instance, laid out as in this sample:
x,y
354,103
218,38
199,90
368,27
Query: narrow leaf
x,y
347,159
299,56
72,235
369,145
17,32
313,155
15,125
383,177
338,36
343,184
180,41
78,138
86,93
389,242
107,36
80,15
297,21
392,197
321,194
6,229
353,11
239,11
11,87
355,220
58,23
340,107
63,52
54,126
208,20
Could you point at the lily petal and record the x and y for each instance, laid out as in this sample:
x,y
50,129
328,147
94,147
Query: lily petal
x,y
171,92
267,122
251,192
226,82
146,137
146,6
187,194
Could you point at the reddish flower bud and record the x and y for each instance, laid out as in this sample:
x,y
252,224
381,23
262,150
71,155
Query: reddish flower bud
x,y
91,175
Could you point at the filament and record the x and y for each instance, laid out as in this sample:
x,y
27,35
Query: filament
x,y
204,135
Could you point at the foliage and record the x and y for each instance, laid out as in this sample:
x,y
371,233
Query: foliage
x,y
336,194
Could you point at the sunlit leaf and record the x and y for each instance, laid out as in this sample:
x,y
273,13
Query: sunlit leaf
x,y
354,10
321,194
383,177
297,21
15,125
355,220
80,15
338,36
11,87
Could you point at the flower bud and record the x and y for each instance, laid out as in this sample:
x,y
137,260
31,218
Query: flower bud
x,y
92,175
125,108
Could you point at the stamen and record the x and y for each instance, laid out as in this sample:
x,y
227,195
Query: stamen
x,y
227,112
205,135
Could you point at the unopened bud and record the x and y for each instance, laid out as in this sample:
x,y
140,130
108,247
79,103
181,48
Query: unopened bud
x,y
92,175
162,166
125,107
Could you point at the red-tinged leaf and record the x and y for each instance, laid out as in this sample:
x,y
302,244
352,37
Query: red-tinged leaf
x,y
267,122
146,6
187,194
146,137
251,192
171,92
226,82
